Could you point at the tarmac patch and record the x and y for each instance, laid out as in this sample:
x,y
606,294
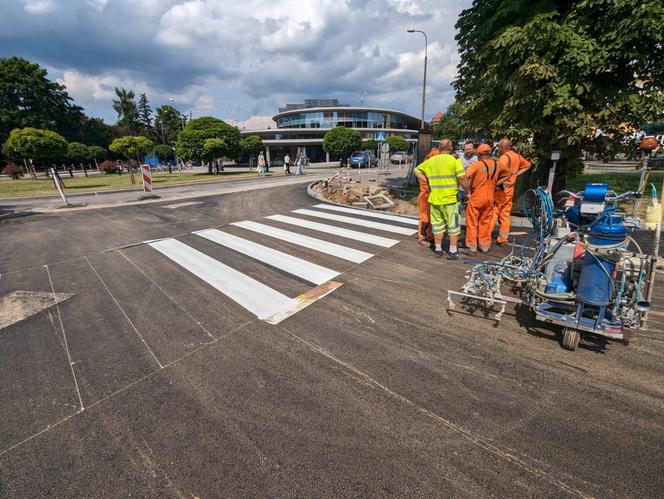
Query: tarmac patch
x,y
19,305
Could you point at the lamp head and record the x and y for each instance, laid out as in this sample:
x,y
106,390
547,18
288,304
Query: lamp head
x,y
411,30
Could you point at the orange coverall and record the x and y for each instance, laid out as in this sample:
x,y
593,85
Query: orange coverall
x,y
513,162
424,231
483,175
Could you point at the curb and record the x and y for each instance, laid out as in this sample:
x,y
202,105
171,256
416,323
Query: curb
x,y
315,195
127,189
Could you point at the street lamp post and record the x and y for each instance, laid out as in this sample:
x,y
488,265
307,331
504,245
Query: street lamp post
x,y
424,81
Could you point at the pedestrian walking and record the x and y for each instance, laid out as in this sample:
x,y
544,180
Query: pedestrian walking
x,y
299,163
443,174
287,161
261,168
482,177
516,165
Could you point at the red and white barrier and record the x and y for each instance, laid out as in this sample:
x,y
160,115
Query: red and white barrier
x,y
147,178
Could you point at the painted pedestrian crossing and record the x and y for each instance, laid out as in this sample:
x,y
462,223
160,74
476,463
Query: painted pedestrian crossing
x,y
338,250
259,298
356,221
283,261
355,235
366,213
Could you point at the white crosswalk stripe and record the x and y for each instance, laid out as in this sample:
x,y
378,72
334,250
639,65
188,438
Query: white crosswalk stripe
x,y
344,252
277,259
366,213
259,299
356,221
385,242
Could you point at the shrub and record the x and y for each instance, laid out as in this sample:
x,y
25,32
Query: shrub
x,y
108,166
13,170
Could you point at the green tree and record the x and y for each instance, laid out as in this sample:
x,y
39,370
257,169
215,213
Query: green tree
x,y
570,76
145,116
132,147
191,140
370,145
341,142
168,124
397,143
214,149
252,144
96,132
34,144
79,153
451,125
28,99
127,110
163,151
97,153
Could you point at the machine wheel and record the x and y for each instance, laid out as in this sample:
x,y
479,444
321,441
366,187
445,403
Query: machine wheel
x,y
571,339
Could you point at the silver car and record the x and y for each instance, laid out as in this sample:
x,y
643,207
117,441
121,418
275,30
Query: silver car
x,y
399,157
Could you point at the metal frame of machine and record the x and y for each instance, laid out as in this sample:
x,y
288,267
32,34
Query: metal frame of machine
x,y
580,268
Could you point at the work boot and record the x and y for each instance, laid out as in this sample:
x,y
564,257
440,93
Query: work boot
x,y
453,256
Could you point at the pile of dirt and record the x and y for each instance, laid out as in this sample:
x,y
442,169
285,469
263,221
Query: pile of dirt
x,y
353,194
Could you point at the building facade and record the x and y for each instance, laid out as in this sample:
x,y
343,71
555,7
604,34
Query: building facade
x,y
303,126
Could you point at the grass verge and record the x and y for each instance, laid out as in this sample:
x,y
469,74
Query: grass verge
x,y
102,181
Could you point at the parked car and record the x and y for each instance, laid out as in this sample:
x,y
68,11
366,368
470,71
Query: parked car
x,y
399,157
362,159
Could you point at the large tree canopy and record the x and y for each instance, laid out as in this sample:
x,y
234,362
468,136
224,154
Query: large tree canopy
x,y
571,76
191,141
341,142
127,110
168,124
29,99
32,143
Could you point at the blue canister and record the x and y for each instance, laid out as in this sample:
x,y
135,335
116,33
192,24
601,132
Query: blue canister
x,y
607,231
595,285
595,192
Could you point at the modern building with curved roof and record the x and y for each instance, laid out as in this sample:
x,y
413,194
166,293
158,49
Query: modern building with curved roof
x,y
304,125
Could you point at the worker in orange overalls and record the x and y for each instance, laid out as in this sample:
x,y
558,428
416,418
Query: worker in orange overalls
x,y
516,165
483,175
424,231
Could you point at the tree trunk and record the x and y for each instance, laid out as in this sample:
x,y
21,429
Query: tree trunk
x,y
85,170
210,168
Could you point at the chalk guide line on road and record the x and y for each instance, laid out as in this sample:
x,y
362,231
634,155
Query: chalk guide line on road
x,y
264,302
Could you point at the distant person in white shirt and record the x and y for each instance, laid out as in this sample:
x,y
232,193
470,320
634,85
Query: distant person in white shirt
x,y
468,157
287,164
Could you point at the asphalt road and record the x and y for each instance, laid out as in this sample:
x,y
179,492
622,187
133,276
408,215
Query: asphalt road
x,y
148,381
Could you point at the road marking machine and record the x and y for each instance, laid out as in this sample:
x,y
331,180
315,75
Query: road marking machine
x,y
580,268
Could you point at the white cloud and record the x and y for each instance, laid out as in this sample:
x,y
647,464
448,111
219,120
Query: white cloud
x,y
253,123
39,6
244,59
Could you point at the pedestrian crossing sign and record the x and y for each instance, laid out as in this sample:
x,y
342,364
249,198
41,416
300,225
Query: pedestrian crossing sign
x,y
380,136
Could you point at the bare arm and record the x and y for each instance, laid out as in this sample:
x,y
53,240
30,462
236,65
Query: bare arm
x,y
423,178
464,183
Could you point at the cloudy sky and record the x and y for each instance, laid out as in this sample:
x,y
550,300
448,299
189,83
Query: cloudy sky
x,y
239,60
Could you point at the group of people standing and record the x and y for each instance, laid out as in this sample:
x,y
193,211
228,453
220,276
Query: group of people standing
x,y
261,167
488,186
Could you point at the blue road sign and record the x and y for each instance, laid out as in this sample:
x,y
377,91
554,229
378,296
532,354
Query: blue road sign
x,y
151,160
380,136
